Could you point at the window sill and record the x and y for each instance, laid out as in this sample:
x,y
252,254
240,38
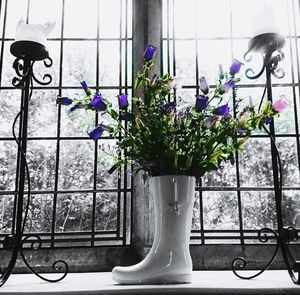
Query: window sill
x,y
204,282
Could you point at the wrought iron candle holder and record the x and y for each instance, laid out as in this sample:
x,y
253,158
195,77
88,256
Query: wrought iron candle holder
x,y
270,45
26,53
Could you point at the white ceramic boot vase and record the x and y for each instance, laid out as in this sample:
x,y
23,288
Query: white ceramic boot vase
x,y
169,260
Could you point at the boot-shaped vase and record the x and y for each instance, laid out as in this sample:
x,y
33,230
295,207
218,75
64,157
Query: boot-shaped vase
x,y
169,260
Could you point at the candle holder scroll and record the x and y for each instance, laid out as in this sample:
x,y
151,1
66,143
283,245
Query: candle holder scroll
x,y
26,53
270,45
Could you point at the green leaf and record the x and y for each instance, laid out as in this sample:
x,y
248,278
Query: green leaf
x,y
267,107
139,123
114,115
241,143
216,155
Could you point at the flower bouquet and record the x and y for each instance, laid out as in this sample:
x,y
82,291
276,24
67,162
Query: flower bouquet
x,y
163,138
174,144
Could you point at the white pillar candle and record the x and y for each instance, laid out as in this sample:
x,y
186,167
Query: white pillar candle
x,y
265,22
33,32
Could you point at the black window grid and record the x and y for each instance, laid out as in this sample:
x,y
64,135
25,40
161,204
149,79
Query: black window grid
x,y
121,235
203,234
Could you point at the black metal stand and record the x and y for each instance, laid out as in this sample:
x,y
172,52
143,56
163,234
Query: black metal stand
x,y
26,53
270,45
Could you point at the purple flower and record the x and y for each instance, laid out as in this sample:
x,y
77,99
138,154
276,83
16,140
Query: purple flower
x,y
235,67
85,88
201,102
281,104
223,110
123,101
63,100
227,86
98,102
267,120
126,117
203,85
170,106
242,131
181,115
149,52
98,131
77,106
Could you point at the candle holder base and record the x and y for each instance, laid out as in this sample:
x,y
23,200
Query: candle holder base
x,y
29,49
268,42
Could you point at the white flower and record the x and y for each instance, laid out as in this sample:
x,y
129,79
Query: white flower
x,y
245,117
212,121
172,83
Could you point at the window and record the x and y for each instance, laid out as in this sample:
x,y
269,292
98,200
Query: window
x,y
235,202
73,199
